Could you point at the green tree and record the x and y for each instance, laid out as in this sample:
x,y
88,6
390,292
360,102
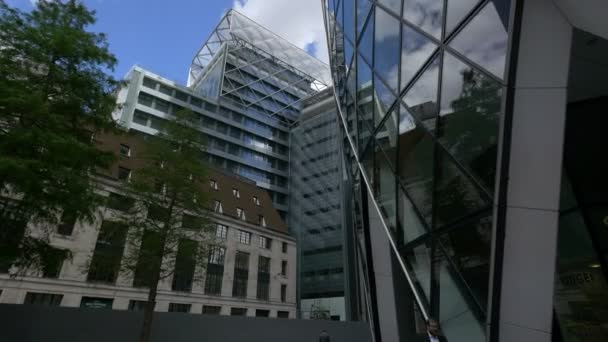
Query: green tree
x,y
55,92
169,227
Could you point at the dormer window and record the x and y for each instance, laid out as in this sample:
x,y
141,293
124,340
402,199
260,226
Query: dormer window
x,y
125,150
256,200
236,193
217,207
261,220
213,184
124,174
240,213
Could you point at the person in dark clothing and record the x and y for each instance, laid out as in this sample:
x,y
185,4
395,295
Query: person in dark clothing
x,y
433,332
324,337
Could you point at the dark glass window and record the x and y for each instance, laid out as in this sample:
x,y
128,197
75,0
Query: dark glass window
x,y
165,89
211,310
52,261
181,96
179,307
284,267
262,313
192,222
284,247
150,83
283,293
145,99
124,174
215,270
50,299
137,305
241,274
185,263
108,252
283,314
66,226
119,202
125,150
147,259
162,105
140,118
238,311
263,289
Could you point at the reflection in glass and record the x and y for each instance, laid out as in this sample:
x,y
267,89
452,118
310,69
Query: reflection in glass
x,y
470,109
349,19
426,14
366,41
363,7
365,98
385,188
415,51
484,40
419,261
421,98
384,100
348,54
416,165
386,49
410,223
457,196
394,5
457,10
386,137
469,249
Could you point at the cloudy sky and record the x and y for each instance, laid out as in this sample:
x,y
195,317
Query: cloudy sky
x,y
163,35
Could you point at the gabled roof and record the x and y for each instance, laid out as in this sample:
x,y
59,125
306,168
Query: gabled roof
x,y
236,26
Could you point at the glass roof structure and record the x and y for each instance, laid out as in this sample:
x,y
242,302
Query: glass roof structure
x,y
236,27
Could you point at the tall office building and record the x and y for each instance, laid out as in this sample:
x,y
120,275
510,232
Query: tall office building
x,y
248,84
473,134
315,210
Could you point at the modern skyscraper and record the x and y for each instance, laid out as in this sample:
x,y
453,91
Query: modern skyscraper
x,y
315,210
473,136
248,84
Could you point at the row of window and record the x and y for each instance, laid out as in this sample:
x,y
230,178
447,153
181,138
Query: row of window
x,y
319,126
318,158
322,210
318,142
327,190
320,174
240,213
53,299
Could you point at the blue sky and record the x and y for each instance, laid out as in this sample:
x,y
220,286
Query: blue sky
x,y
164,35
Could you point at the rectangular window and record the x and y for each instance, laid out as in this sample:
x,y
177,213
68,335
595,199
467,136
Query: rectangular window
x,y
145,99
184,265
49,299
284,268
244,237
196,102
261,220
96,303
211,310
241,275
148,252
283,293
125,150
162,105
284,247
262,313
238,311
283,314
157,213
149,83
213,184
52,262
124,174
119,202
66,226
236,193
264,242
140,118
215,270
221,231
263,278
192,222
107,255
256,200
165,89
179,307
217,207
181,96
137,305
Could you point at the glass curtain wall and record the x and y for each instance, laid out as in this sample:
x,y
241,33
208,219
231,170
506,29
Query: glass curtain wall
x,y
420,86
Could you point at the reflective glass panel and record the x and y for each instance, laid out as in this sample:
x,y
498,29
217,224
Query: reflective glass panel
x,y
416,49
457,10
457,196
385,188
349,19
470,109
363,7
366,41
416,152
365,98
348,53
484,40
468,247
386,49
386,137
426,14
421,98
393,5
418,260
411,225
384,100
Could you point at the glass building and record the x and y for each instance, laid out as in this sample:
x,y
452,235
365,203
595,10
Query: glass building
x,y
315,210
247,84
473,146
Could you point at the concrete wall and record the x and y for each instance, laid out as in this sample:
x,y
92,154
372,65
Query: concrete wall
x,y
26,323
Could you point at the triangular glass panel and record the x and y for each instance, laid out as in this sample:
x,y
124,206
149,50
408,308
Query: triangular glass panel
x,y
386,48
457,10
363,7
416,49
421,97
385,189
484,40
425,14
393,5
349,19
366,41
457,196
386,137
384,100
470,111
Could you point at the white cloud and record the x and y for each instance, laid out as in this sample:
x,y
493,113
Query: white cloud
x,y
298,21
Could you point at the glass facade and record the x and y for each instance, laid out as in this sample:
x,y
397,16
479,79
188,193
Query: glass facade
x,y
420,90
